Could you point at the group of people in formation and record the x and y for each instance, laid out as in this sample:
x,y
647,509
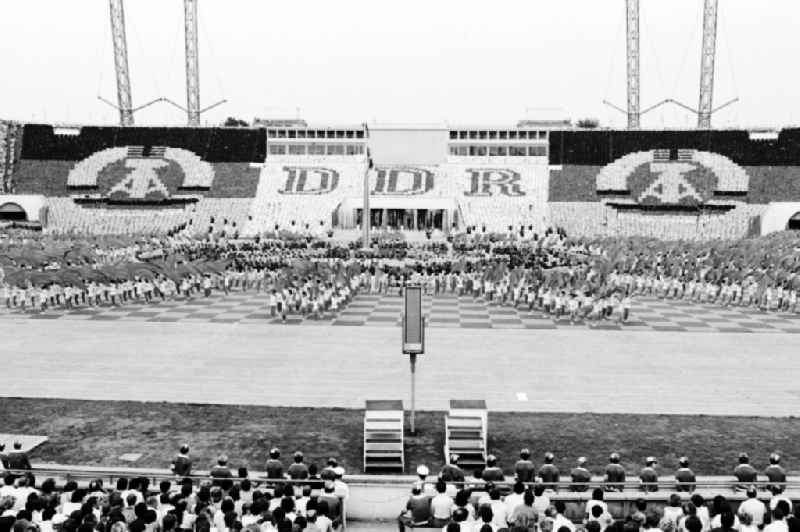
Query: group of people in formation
x,y
569,279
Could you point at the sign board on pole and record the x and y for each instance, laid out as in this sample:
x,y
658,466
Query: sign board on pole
x,y
413,321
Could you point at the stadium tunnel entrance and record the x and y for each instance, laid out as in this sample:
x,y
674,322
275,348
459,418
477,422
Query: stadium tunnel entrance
x,y
794,222
13,212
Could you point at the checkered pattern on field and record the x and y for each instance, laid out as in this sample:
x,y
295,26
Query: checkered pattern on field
x,y
443,310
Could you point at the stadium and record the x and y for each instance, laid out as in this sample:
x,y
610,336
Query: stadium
x,y
608,321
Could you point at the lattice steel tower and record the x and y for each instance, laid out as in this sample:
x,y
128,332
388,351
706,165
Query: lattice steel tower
x,y
632,40
124,103
192,63
707,55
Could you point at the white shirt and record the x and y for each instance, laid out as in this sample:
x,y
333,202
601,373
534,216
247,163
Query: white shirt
x,y
512,501
441,506
754,508
560,521
777,526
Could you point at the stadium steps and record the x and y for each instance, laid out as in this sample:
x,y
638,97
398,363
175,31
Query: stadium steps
x,y
383,435
466,428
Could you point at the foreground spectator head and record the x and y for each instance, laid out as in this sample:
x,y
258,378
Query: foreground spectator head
x,y
581,461
222,460
727,519
525,454
422,471
641,504
274,453
460,515
698,500
486,513
454,459
683,461
693,524
298,457
441,487
548,458
597,494
651,519
491,460
17,446
783,506
184,449
519,488
650,461
597,511
560,507
744,458
242,472
614,458
774,458
675,500
752,492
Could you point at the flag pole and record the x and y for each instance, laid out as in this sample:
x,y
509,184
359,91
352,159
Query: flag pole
x,y
365,214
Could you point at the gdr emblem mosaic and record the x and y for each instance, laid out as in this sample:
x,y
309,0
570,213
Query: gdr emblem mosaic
x,y
136,173
673,177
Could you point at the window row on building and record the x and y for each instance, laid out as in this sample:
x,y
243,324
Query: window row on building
x,y
315,149
493,134
315,133
463,150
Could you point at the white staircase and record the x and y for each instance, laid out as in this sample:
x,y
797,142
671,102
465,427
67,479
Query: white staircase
x,y
466,429
383,435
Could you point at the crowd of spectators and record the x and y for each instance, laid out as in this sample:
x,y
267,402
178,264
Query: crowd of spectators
x,y
455,502
298,499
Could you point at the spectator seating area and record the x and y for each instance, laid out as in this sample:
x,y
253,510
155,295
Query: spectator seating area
x,y
67,216
9,140
383,436
597,219
280,201
466,433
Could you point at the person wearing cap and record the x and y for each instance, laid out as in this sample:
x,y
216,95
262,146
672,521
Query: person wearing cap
x,y
342,490
422,478
753,507
417,511
492,473
684,477
775,473
451,472
745,473
221,470
327,472
17,458
615,474
648,475
182,465
524,468
580,476
274,465
298,470
549,473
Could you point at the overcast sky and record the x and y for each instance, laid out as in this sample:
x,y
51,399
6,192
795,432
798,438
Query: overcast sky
x,y
413,61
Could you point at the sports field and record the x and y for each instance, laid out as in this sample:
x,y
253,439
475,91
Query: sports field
x,y
568,369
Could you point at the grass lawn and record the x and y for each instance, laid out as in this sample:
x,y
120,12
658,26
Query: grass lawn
x,y
98,432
